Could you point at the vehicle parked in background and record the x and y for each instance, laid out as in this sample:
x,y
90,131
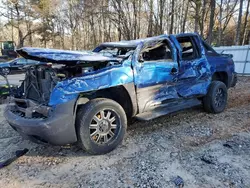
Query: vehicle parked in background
x,y
16,65
91,96
7,49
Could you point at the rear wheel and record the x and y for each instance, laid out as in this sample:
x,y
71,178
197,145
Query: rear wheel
x,y
101,125
216,99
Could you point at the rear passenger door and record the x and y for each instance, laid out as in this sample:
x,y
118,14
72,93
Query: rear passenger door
x,y
194,74
155,74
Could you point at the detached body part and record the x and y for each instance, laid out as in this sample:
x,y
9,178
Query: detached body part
x,y
88,97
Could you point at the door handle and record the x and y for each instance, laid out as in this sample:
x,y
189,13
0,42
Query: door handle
x,y
174,70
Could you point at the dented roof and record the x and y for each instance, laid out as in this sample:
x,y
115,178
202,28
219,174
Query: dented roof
x,y
131,43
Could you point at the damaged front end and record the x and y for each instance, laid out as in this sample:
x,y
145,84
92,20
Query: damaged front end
x,y
29,111
44,106
32,97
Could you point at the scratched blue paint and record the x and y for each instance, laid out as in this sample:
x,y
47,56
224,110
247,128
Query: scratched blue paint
x,y
105,78
192,78
153,72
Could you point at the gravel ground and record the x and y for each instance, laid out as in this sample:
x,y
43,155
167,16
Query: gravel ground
x,y
206,150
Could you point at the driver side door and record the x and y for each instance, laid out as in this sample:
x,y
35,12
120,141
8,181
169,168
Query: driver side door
x,y
155,73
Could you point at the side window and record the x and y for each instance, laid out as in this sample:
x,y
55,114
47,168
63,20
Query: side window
x,y
189,48
157,51
21,61
31,61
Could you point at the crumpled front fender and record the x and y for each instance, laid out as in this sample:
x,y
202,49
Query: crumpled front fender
x,y
109,77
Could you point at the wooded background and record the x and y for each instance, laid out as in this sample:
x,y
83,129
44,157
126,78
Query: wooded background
x,y
83,24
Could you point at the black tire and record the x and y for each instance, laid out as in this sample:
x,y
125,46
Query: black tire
x,y
85,117
216,99
6,71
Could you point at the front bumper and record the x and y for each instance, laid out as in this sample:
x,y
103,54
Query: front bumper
x,y
57,129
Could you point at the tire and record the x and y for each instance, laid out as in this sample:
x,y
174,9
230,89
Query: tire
x,y
6,71
216,99
94,120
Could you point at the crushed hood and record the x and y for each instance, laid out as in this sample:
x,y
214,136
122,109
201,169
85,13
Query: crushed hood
x,y
61,56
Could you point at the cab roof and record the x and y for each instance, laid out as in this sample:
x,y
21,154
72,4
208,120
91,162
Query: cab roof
x,y
135,43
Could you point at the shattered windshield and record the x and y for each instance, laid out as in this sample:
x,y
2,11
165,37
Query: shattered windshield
x,y
116,52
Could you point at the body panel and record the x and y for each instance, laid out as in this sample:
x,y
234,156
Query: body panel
x,y
105,78
153,79
194,75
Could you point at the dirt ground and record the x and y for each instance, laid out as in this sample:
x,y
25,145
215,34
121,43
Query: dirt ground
x,y
206,150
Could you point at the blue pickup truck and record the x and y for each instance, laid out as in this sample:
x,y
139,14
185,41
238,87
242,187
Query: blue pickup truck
x,y
88,97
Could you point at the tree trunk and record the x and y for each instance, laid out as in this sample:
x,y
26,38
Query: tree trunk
x,y
220,23
162,2
185,18
197,15
172,18
238,30
211,22
203,17
245,23
150,24
139,20
21,41
20,34
135,19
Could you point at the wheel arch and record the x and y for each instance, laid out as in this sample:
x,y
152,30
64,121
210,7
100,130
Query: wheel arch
x,y
123,94
221,76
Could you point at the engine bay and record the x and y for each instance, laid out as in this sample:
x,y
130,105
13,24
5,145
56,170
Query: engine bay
x,y
41,79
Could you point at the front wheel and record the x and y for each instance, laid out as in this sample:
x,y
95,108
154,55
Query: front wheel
x,y
216,99
101,125
5,71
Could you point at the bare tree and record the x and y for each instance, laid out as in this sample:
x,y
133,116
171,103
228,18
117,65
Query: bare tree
x,y
185,16
77,24
245,23
172,17
203,18
211,22
238,29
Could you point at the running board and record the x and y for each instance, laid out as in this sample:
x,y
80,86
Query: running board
x,y
167,109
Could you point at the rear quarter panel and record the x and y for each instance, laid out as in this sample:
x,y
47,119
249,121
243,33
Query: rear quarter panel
x,y
220,63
